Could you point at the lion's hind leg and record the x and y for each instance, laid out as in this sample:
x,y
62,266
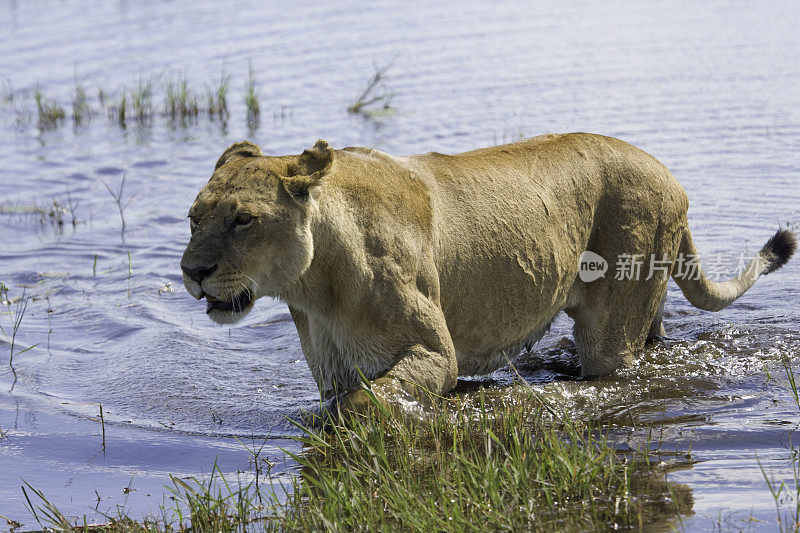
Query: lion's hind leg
x,y
657,327
608,332
601,342
615,315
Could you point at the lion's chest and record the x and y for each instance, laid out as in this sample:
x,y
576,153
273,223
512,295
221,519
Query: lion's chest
x,y
339,354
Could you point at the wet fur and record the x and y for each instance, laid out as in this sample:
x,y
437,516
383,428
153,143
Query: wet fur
x,y
415,270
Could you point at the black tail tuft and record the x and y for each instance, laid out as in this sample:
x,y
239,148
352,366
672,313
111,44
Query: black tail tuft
x,y
778,250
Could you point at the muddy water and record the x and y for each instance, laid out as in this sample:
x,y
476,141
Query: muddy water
x,y
711,89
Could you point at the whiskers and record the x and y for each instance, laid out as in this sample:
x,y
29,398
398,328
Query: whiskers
x,y
246,295
236,301
253,284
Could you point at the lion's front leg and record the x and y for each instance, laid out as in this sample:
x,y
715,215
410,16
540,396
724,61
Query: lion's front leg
x,y
423,370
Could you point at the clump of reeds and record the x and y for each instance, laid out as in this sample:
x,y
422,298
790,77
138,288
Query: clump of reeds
x,y
6,92
52,212
81,111
11,99
50,113
251,95
116,106
181,102
142,100
375,94
217,97
102,97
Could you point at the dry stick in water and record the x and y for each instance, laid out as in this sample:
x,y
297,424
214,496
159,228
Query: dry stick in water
x,y
71,205
367,97
102,418
117,196
103,424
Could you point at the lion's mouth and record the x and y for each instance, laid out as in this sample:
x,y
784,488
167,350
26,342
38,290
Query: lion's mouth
x,y
237,304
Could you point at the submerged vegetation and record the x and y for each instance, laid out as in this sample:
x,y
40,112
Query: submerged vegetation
x,y
139,104
81,112
251,95
55,213
142,100
173,97
217,96
512,466
181,101
50,113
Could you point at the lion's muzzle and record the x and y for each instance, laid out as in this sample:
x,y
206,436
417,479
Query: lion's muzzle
x,y
237,304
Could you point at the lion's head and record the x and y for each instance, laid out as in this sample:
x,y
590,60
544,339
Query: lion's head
x,y
251,227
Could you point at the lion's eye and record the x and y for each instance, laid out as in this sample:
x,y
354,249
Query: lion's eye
x,y
192,223
243,221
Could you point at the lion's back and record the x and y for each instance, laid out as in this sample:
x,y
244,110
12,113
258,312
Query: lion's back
x,y
512,220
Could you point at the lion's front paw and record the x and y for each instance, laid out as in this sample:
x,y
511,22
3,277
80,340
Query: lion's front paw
x,y
360,402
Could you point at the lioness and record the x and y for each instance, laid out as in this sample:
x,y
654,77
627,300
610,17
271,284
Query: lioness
x,y
416,270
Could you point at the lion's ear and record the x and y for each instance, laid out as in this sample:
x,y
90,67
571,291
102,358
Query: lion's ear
x,y
317,160
237,150
308,175
301,189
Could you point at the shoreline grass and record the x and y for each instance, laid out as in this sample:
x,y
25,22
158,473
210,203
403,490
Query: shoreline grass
x,y
511,466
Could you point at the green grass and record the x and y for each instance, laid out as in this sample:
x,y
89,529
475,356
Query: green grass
x,y
513,465
217,96
138,103
142,100
181,101
251,94
81,110
119,112
507,466
50,113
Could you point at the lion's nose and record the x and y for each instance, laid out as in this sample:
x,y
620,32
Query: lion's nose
x,y
200,273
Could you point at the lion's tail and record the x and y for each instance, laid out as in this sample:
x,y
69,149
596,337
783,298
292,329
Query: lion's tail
x,y
710,296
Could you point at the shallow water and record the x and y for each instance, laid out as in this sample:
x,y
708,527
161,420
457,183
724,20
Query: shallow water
x,y
710,89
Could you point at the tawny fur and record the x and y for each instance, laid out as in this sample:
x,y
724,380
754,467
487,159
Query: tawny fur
x,y
415,270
